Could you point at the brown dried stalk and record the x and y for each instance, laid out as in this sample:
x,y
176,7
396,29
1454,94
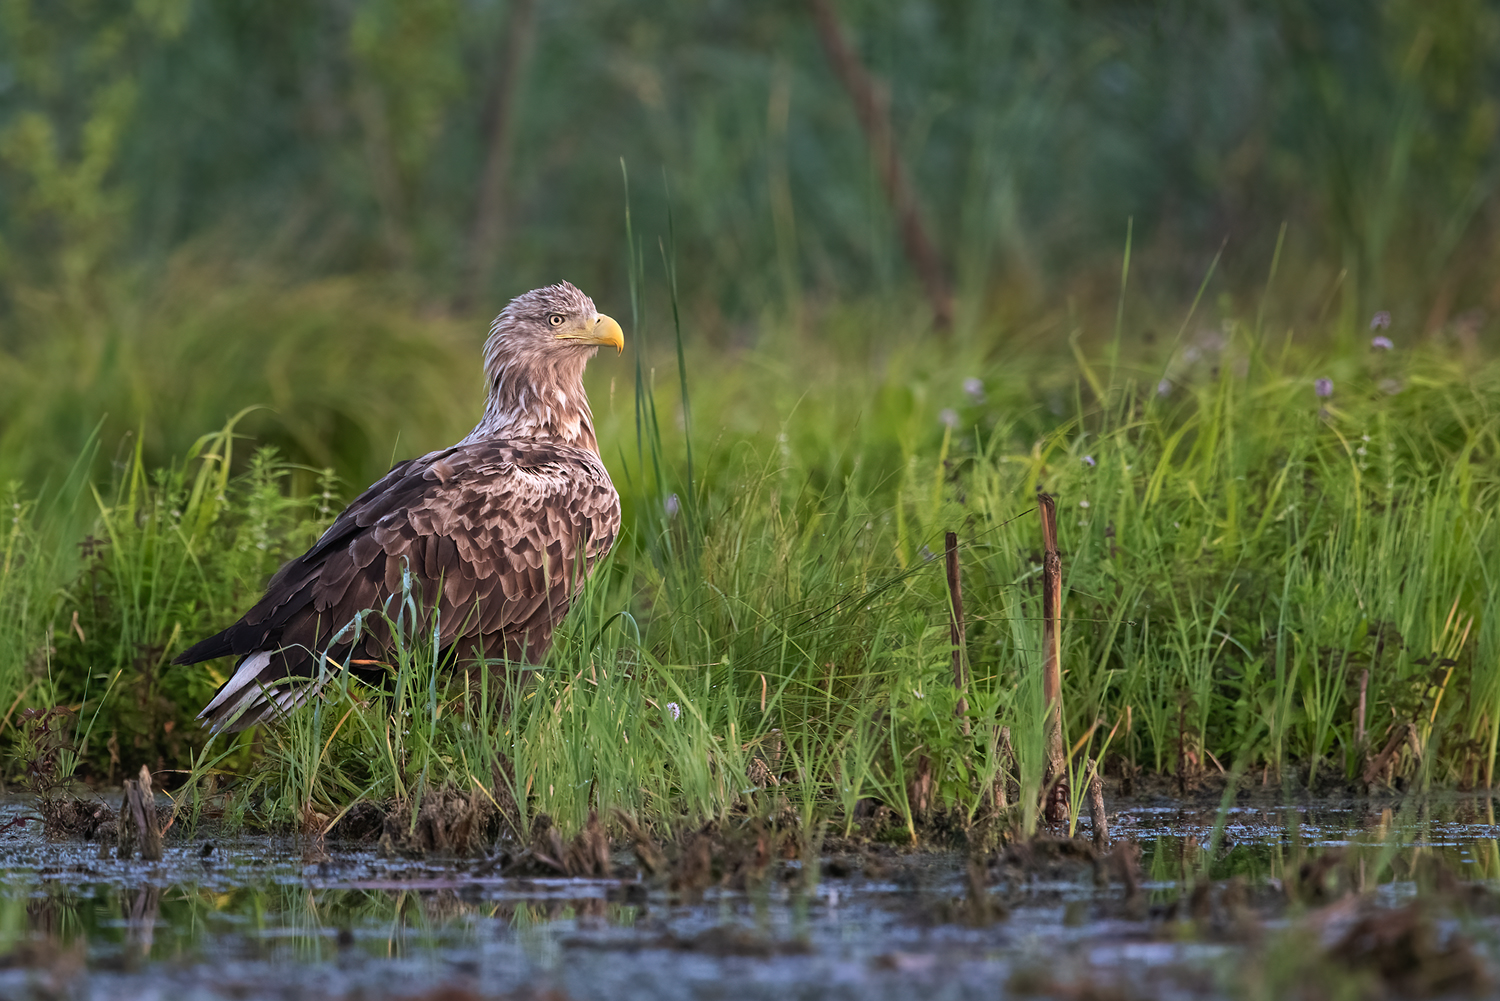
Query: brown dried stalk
x,y
956,630
1057,763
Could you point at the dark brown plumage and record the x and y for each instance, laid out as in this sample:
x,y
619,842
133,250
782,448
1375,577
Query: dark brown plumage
x,y
498,532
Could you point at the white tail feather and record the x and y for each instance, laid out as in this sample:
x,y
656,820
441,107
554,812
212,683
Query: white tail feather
x,y
246,700
243,682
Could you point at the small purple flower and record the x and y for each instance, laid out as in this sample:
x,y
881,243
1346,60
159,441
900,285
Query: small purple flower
x,y
675,710
1088,460
975,388
672,505
1381,320
948,416
1164,387
1380,342
1324,388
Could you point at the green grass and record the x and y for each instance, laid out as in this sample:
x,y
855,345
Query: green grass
x,y
1238,554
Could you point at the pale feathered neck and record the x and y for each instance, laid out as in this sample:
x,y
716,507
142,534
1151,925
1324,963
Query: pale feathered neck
x,y
537,396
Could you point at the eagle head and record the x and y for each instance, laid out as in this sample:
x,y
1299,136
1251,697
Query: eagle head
x,y
546,321
534,360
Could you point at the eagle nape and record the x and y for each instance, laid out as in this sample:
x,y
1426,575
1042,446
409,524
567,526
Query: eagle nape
x,y
495,535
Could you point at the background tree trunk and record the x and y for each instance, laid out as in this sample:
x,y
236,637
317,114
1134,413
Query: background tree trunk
x,y
489,208
873,106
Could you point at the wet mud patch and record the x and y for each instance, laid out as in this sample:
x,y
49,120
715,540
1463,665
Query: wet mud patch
x,y
75,818
448,822
1409,952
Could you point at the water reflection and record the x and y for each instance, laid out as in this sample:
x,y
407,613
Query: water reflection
x,y
65,914
1385,843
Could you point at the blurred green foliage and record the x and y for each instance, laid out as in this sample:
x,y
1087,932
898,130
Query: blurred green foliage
x,y
206,206
350,136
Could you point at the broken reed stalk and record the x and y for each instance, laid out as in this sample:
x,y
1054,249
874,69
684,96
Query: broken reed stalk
x,y
1056,806
1096,810
137,825
1405,733
956,630
1359,713
1009,772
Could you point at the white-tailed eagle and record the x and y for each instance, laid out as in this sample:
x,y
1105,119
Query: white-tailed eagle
x,y
497,533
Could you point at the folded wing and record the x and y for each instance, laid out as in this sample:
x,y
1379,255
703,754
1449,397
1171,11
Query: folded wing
x,y
492,540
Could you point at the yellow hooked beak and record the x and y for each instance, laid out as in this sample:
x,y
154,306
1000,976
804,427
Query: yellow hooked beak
x,y
603,330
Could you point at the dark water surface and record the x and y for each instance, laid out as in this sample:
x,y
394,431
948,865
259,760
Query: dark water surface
x,y
242,917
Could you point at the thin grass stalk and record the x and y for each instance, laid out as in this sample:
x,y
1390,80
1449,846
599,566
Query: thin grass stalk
x,y
956,629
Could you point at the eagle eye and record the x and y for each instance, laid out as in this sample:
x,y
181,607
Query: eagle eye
x,y
556,319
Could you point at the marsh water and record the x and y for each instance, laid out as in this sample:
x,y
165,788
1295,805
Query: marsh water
x,y
243,917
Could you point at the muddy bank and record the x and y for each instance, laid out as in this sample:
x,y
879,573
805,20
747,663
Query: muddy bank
x,y
1395,899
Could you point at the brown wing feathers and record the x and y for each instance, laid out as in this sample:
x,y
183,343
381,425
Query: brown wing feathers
x,y
493,533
